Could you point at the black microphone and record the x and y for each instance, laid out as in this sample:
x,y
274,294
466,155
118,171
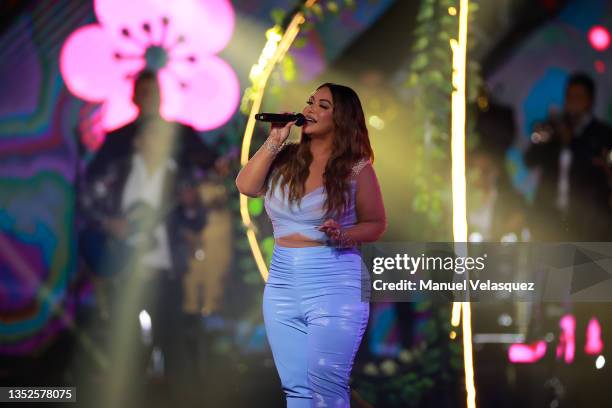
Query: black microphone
x,y
281,118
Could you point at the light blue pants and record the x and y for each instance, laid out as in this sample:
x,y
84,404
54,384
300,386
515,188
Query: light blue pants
x,y
315,320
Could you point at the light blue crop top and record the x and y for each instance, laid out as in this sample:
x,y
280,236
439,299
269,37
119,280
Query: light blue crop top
x,y
309,214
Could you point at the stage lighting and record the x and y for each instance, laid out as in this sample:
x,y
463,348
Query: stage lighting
x,y
599,37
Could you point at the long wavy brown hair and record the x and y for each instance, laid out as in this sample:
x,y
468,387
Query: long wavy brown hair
x,y
351,143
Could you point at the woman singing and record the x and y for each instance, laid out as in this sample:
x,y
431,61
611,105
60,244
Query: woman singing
x,y
323,199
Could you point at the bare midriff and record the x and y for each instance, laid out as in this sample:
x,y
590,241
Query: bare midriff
x,y
297,241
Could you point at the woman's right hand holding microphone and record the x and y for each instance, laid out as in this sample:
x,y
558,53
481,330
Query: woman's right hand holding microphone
x,y
278,135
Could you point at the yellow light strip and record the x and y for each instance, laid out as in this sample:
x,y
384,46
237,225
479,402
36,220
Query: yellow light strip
x,y
456,314
275,49
460,229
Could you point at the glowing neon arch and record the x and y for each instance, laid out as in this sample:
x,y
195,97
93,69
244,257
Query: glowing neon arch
x,y
275,49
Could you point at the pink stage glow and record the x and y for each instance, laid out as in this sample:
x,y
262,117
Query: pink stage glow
x,y
593,345
567,341
178,39
526,353
530,353
599,37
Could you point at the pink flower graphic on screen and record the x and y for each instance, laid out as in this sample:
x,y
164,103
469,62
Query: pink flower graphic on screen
x,y
177,39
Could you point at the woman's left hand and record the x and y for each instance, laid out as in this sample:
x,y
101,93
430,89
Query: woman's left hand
x,y
332,228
